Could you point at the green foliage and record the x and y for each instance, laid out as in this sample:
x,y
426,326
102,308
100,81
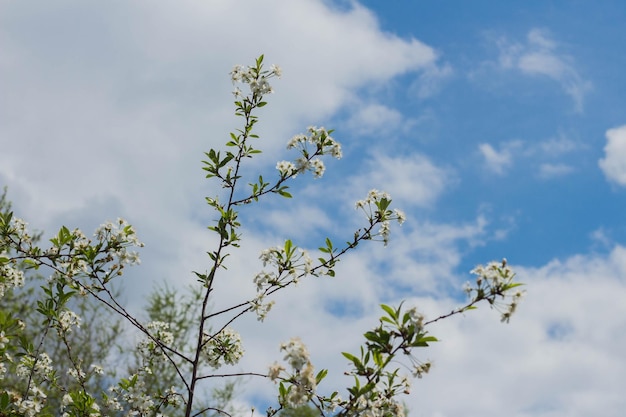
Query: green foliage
x,y
91,343
301,411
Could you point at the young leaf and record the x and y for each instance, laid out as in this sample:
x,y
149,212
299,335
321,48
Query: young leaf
x,y
390,311
321,375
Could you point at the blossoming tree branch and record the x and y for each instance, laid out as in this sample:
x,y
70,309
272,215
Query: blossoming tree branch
x,y
173,366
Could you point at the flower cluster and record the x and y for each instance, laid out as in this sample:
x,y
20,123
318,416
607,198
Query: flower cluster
x,y
255,78
40,366
495,282
416,318
376,404
223,348
133,394
10,276
67,320
290,265
260,308
37,370
285,259
18,227
286,169
296,353
376,208
79,403
421,368
77,373
3,340
34,403
148,348
14,234
120,236
302,381
320,142
139,402
73,255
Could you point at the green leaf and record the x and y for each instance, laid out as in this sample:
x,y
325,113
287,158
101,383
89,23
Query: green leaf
x,y
4,401
284,193
63,236
378,359
321,375
352,358
383,204
289,248
373,337
423,341
226,160
429,339
392,313
368,387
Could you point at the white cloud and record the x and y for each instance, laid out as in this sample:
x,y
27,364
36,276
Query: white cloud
x,y
614,162
496,161
431,80
375,119
542,156
116,112
540,56
602,237
426,254
560,355
411,179
165,81
548,170
295,220
557,146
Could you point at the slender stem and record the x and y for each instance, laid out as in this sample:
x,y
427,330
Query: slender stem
x,y
217,261
455,311
231,375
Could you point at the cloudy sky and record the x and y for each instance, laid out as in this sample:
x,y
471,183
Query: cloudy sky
x,y
498,127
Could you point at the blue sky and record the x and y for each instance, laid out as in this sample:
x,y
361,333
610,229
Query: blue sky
x,y
498,127
482,103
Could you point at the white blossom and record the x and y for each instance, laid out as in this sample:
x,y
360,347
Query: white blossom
x,y
385,231
276,70
318,167
286,168
417,318
296,353
260,308
76,373
275,370
223,348
400,216
68,319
